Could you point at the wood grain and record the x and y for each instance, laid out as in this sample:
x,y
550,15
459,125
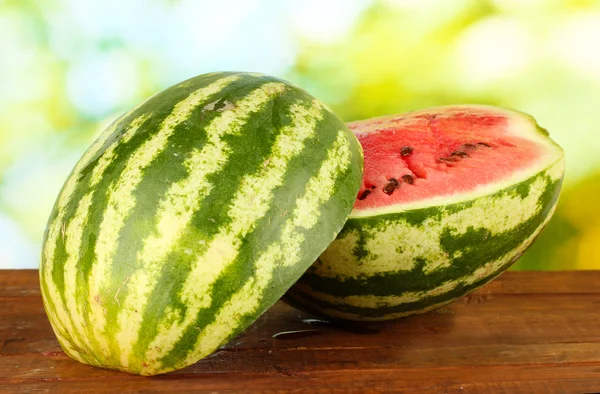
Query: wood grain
x,y
525,332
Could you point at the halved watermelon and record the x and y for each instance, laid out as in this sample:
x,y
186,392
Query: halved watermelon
x,y
451,197
190,216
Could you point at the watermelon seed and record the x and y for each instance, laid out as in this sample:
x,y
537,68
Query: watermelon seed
x,y
408,179
390,187
468,146
364,194
445,160
483,144
460,154
406,150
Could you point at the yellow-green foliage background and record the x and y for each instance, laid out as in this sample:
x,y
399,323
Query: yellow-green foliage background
x,y
68,67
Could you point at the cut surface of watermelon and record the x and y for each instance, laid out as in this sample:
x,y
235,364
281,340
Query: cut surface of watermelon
x,y
448,154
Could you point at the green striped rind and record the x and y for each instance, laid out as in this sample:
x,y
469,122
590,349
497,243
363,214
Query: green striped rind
x,y
393,265
190,216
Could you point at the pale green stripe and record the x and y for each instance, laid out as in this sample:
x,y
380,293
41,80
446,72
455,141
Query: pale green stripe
x,y
75,323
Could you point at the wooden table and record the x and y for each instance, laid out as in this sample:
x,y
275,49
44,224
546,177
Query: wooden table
x,y
525,332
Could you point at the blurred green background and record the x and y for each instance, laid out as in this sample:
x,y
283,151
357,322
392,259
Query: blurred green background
x,y
68,68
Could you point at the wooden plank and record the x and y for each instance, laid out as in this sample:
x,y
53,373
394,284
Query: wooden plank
x,y
544,379
498,320
304,360
526,332
19,283
544,282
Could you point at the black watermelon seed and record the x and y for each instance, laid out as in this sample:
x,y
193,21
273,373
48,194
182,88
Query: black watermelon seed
x,y
483,144
469,146
364,194
406,150
446,160
459,154
390,187
408,179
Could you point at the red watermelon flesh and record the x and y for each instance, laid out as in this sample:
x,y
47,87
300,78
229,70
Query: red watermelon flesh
x,y
440,152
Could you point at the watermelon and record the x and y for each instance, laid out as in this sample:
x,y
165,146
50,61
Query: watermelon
x,y
451,197
190,216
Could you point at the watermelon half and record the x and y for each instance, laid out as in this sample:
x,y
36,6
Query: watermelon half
x,y
190,216
451,197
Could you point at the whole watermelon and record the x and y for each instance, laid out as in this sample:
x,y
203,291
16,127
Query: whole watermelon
x,y
190,216
451,197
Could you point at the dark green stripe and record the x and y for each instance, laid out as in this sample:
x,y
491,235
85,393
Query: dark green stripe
x,y
308,303
478,247
50,308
